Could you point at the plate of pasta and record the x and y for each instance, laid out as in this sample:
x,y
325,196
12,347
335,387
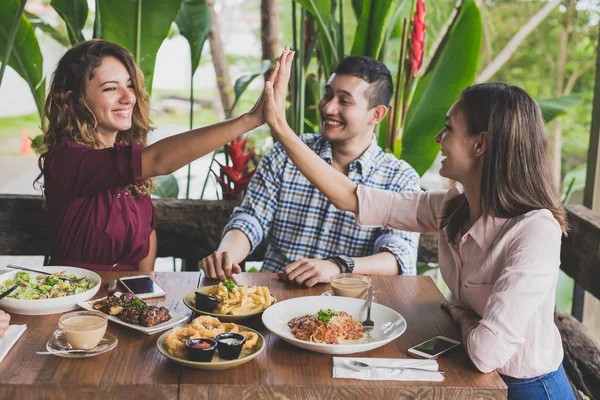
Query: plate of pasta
x,y
236,302
332,325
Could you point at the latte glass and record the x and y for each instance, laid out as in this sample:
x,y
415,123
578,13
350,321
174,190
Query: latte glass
x,y
83,329
350,285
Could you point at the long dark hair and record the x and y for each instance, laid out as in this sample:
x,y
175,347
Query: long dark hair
x,y
67,117
517,171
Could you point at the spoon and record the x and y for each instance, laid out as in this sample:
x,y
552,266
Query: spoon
x,y
359,366
92,350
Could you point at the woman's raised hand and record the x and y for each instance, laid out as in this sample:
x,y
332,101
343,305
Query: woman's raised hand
x,y
276,90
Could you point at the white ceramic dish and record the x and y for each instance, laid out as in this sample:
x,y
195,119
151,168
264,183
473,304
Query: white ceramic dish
x,y
50,306
388,323
176,319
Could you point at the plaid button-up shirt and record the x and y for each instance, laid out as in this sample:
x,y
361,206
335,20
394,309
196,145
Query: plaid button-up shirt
x,y
300,222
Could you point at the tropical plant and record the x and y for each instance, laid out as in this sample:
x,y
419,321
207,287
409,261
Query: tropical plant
x,y
422,97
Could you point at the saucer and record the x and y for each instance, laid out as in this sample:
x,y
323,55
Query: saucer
x,y
107,343
330,293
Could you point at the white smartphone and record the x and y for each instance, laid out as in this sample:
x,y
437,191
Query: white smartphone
x,y
142,286
433,348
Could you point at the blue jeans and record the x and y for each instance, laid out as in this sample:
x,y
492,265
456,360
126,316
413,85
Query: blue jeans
x,y
551,386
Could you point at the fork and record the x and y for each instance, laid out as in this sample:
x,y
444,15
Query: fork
x,y
368,324
64,278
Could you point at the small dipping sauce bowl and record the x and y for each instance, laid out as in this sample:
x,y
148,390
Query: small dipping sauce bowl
x,y
205,302
230,345
201,350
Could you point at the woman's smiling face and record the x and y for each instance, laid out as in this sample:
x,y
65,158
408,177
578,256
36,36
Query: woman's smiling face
x,y
111,97
458,146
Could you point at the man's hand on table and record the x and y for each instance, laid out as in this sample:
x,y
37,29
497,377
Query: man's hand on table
x,y
4,321
219,265
309,272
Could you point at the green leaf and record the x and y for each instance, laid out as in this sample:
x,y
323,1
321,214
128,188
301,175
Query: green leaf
x,y
48,29
193,21
573,181
25,58
74,13
441,86
372,27
242,83
140,26
166,187
321,9
552,108
312,96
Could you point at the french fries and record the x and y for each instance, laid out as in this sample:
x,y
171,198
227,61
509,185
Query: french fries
x,y
241,300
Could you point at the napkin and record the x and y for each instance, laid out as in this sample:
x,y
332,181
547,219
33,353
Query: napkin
x,y
12,334
380,374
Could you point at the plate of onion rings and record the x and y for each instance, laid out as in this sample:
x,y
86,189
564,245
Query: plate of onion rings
x,y
172,343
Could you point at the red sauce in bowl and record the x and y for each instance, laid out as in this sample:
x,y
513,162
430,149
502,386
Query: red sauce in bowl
x,y
201,345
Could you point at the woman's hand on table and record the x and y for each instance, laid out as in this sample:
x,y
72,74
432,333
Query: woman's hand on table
x,y
219,265
309,272
459,314
4,321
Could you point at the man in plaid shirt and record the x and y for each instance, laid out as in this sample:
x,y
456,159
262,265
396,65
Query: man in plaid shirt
x,y
309,239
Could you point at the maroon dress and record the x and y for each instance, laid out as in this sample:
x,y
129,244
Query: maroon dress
x,y
94,222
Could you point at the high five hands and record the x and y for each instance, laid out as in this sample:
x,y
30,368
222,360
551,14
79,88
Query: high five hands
x,y
275,93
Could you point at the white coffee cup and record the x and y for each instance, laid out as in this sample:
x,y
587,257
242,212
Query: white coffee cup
x,y
83,329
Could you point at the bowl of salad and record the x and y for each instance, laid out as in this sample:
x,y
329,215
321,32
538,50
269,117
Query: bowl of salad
x,y
40,294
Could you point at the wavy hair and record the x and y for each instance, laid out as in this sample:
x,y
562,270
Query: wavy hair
x,y
517,171
67,116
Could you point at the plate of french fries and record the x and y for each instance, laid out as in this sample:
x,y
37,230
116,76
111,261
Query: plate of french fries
x,y
236,302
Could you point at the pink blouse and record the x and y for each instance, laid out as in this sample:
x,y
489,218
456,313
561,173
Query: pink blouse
x,y
505,270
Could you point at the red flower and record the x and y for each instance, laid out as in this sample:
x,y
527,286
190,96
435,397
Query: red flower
x,y
234,179
417,39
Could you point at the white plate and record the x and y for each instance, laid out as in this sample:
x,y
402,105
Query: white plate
x,y
176,319
50,306
388,323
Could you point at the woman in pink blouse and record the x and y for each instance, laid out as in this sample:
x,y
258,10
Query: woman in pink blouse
x,y
499,228
96,166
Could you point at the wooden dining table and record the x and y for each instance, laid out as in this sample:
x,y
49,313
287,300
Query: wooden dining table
x,y
135,369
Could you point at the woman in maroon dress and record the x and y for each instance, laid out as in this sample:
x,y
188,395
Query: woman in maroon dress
x,y
96,166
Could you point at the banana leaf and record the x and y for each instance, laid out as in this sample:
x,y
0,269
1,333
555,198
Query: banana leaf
x,y
74,13
242,83
138,25
573,181
25,58
166,187
48,29
452,69
372,26
321,9
552,108
193,21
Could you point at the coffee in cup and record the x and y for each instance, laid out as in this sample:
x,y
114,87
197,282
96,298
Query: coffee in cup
x,y
83,329
350,285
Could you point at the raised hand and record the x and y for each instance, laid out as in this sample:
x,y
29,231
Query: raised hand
x,y
276,90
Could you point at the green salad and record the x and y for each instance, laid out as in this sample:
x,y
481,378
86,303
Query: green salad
x,y
45,286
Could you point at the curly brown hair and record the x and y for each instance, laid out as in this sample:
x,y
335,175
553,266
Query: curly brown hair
x,y
67,116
